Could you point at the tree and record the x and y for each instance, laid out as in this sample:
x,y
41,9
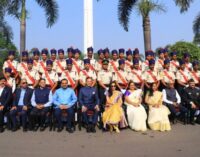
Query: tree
x,y
17,8
5,29
182,47
144,8
184,6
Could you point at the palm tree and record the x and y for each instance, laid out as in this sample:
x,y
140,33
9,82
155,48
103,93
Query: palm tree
x,y
17,8
184,6
144,8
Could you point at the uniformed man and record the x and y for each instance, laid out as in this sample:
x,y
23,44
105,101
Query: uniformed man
x,y
71,76
54,58
50,76
89,101
10,81
195,73
160,62
53,55
31,75
22,66
11,63
129,60
136,55
166,75
151,76
191,98
145,64
87,72
36,59
166,53
174,63
90,56
60,63
77,62
114,62
106,52
70,51
100,59
121,76
182,77
136,75
121,53
104,79
41,101
42,64
188,65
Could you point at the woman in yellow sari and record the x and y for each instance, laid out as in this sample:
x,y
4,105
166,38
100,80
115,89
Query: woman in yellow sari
x,y
114,114
158,113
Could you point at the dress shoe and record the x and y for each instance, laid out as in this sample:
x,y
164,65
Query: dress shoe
x,y
14,129
88,129
70,130
93,130
60,129
42,128
25,129
1,129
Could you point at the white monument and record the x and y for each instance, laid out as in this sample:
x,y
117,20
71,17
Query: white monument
x,y
88,24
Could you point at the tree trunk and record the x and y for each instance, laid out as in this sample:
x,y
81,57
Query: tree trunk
x,y
147,33
23,27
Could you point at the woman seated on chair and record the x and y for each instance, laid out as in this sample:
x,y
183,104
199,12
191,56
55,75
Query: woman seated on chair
x,y
158,113
113,114
136,113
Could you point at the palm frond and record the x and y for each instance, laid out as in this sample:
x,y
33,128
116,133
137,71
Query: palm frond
x,y
14,8
6,31
51,10
144,7
196,24
183,4
124,10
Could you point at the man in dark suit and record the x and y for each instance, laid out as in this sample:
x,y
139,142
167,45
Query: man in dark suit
x,y
21,104
5,97
191,98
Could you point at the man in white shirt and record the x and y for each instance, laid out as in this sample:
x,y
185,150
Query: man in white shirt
x,y
172,100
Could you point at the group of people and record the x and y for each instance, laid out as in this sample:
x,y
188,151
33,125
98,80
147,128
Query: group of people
x,y
118,87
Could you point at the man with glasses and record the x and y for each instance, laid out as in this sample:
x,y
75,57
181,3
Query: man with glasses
x,y
64,99
21,104
5,96
41,102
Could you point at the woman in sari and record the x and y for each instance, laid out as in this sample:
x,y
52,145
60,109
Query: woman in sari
x,y
158,113
136,113
113,114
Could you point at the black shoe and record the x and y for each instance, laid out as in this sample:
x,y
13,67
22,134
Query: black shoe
x,y
93,130
35,128
42,128
70,130
1,129
14,129
192,122
25,129
88,129
60,129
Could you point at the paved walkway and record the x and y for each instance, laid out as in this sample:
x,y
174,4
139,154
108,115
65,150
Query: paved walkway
x,y
182,141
